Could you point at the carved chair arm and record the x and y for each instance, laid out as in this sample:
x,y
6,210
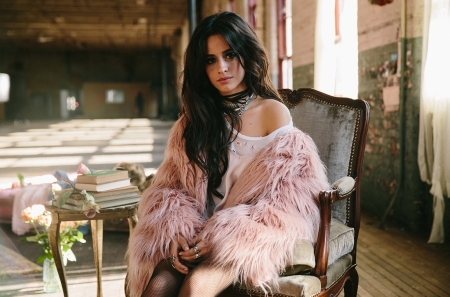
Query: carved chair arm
x,y
342,189
345,187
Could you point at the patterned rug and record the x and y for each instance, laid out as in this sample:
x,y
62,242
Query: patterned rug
x,y
12,263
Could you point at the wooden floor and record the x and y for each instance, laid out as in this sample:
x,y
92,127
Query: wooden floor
x,y
392,262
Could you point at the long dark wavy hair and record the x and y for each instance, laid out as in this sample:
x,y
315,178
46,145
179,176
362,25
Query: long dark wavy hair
x,y
206,134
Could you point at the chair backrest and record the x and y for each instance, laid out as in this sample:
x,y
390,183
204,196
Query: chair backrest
x,y
338,126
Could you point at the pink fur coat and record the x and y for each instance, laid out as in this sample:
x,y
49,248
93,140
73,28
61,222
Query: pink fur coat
x,y
273,204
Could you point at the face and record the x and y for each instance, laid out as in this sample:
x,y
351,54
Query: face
x,y
223,67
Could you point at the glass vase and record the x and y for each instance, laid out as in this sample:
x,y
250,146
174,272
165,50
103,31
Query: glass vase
x,y
50,277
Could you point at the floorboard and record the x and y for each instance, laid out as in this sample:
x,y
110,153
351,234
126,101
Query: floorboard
x,y
393,262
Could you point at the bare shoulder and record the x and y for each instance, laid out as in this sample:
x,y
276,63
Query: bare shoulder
x,y
275,113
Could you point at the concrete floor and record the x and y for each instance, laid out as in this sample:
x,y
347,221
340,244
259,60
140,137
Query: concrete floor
x,y
38,148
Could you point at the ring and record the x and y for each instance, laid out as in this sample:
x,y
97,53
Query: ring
x,y
172,260
197,256
196,250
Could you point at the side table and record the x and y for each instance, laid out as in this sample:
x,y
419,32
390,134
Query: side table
x,y
59,215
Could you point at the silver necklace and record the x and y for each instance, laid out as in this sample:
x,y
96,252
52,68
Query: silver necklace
x,y
243,107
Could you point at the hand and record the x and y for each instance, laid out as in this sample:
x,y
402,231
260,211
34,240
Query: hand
x,y
197,251
175,246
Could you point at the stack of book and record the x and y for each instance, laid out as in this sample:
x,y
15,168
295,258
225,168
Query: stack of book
x,y
110,188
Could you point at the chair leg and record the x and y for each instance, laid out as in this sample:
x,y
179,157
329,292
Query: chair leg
x,y
351,285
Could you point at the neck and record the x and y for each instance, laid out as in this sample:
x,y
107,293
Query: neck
x,y
237,98
239,101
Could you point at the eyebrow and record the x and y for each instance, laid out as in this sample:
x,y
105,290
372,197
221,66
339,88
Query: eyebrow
x,y
224,52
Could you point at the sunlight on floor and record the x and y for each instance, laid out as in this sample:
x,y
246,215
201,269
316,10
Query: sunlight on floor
x,y
100,142
127,148
48,161
131,141
115,159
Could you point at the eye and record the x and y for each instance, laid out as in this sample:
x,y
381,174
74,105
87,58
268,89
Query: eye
x,y
210,60
231,55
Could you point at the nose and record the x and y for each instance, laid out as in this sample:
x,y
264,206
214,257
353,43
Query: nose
x,y
223,66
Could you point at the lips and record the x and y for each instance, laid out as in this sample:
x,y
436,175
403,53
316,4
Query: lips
x,y
224,79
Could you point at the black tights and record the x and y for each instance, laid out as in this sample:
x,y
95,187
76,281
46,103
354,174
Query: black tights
x,y
202,281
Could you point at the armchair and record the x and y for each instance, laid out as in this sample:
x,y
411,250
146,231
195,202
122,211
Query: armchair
x,y
338,126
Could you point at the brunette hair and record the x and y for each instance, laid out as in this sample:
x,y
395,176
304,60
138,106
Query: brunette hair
x,y
206,133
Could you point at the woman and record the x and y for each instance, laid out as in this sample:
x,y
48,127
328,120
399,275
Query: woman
x,y
238,184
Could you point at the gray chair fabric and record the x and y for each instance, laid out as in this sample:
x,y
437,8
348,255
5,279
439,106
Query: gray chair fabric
x,y
341,240
337,269
332,128
298,282
288,286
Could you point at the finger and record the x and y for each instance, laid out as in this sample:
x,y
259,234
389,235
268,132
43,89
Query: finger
x,y
187,253
201,244
180,267
183,243
192,254
176,264
173,247
193,241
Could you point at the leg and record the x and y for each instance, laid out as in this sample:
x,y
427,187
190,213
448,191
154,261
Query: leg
x,y
97,240
165,281
132,220
351,285
206,281
55,246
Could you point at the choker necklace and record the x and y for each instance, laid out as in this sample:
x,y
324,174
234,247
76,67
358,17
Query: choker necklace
x,y
240,101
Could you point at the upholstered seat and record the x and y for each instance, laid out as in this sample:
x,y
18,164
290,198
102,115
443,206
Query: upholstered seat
x,y
338,126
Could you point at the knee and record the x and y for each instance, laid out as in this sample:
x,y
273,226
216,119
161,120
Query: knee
x,y
205,281
162,285
195,285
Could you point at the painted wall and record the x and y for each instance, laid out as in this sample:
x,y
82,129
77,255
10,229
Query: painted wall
x,y
94,100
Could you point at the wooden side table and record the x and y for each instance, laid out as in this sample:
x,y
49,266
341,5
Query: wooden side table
x,y
59,215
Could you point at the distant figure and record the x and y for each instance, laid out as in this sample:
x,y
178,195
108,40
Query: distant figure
x,y
139,105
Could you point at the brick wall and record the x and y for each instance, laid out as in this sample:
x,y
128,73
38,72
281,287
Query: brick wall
x,y
378,34
381,171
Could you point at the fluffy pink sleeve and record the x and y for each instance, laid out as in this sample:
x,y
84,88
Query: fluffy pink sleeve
x,y
274,203
172,205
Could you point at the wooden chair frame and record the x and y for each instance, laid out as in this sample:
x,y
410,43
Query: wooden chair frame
x,y
349,280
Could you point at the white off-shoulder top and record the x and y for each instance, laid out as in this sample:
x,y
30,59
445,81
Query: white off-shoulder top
x,y
242,151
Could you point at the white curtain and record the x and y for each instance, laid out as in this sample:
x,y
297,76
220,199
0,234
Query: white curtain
x,y
434,130
336,57
346,84
324,51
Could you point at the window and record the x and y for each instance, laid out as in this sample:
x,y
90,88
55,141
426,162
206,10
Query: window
x,y
336,48
252,13
284,11
115,96
4,87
